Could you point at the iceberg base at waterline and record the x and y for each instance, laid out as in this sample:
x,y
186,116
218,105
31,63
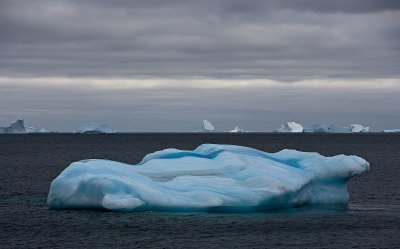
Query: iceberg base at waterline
x,y
209,178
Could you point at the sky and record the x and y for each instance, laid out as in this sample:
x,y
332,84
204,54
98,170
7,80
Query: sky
x,y
161,65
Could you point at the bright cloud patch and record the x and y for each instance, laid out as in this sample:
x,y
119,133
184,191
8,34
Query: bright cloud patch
x,y
199,83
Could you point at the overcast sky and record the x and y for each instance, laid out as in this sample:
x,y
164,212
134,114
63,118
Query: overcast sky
x,y
166,65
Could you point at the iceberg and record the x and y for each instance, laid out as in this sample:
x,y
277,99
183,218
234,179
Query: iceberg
x,y
391,131
94,128
207,126
290,127
366,129
210,178
17,127
358,128
237,129
330,128
327,128
43,130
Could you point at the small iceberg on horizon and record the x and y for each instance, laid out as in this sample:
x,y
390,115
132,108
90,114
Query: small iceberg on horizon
x,y
207,126
210,178
94,128
391,131
358,128
330,128
43,130
290,127
237,129
327,128
18,127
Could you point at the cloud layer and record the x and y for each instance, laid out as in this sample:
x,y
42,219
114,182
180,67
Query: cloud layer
x,y
276,40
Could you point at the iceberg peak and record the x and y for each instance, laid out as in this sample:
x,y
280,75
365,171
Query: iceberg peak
x,y
207,126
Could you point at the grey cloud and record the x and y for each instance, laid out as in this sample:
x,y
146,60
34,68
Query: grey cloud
x,y
336,6
284,40
352,6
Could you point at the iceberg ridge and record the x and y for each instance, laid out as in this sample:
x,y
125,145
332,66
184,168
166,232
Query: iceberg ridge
x,y
209,178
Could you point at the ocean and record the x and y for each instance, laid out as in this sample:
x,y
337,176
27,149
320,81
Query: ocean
x,y
28,164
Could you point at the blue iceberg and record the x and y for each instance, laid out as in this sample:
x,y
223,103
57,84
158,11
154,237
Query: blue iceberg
x,y
209,178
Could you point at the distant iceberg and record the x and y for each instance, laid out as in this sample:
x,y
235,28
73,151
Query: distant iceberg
x,y
358,128
327,128
207,126
17,127
94,128
210,178
290,127
237,129
42,130
330,128
391,131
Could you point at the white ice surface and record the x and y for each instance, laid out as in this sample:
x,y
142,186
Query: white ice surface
x,y
210,178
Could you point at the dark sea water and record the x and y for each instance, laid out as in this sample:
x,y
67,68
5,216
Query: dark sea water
x,y
28,164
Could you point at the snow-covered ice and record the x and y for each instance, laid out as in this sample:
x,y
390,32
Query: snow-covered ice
x,y
94,127
209,178
290,127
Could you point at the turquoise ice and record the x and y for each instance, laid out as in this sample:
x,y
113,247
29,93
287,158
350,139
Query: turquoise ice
x,y
210,178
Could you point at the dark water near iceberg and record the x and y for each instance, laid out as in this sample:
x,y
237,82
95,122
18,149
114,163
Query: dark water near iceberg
x,y
28,164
